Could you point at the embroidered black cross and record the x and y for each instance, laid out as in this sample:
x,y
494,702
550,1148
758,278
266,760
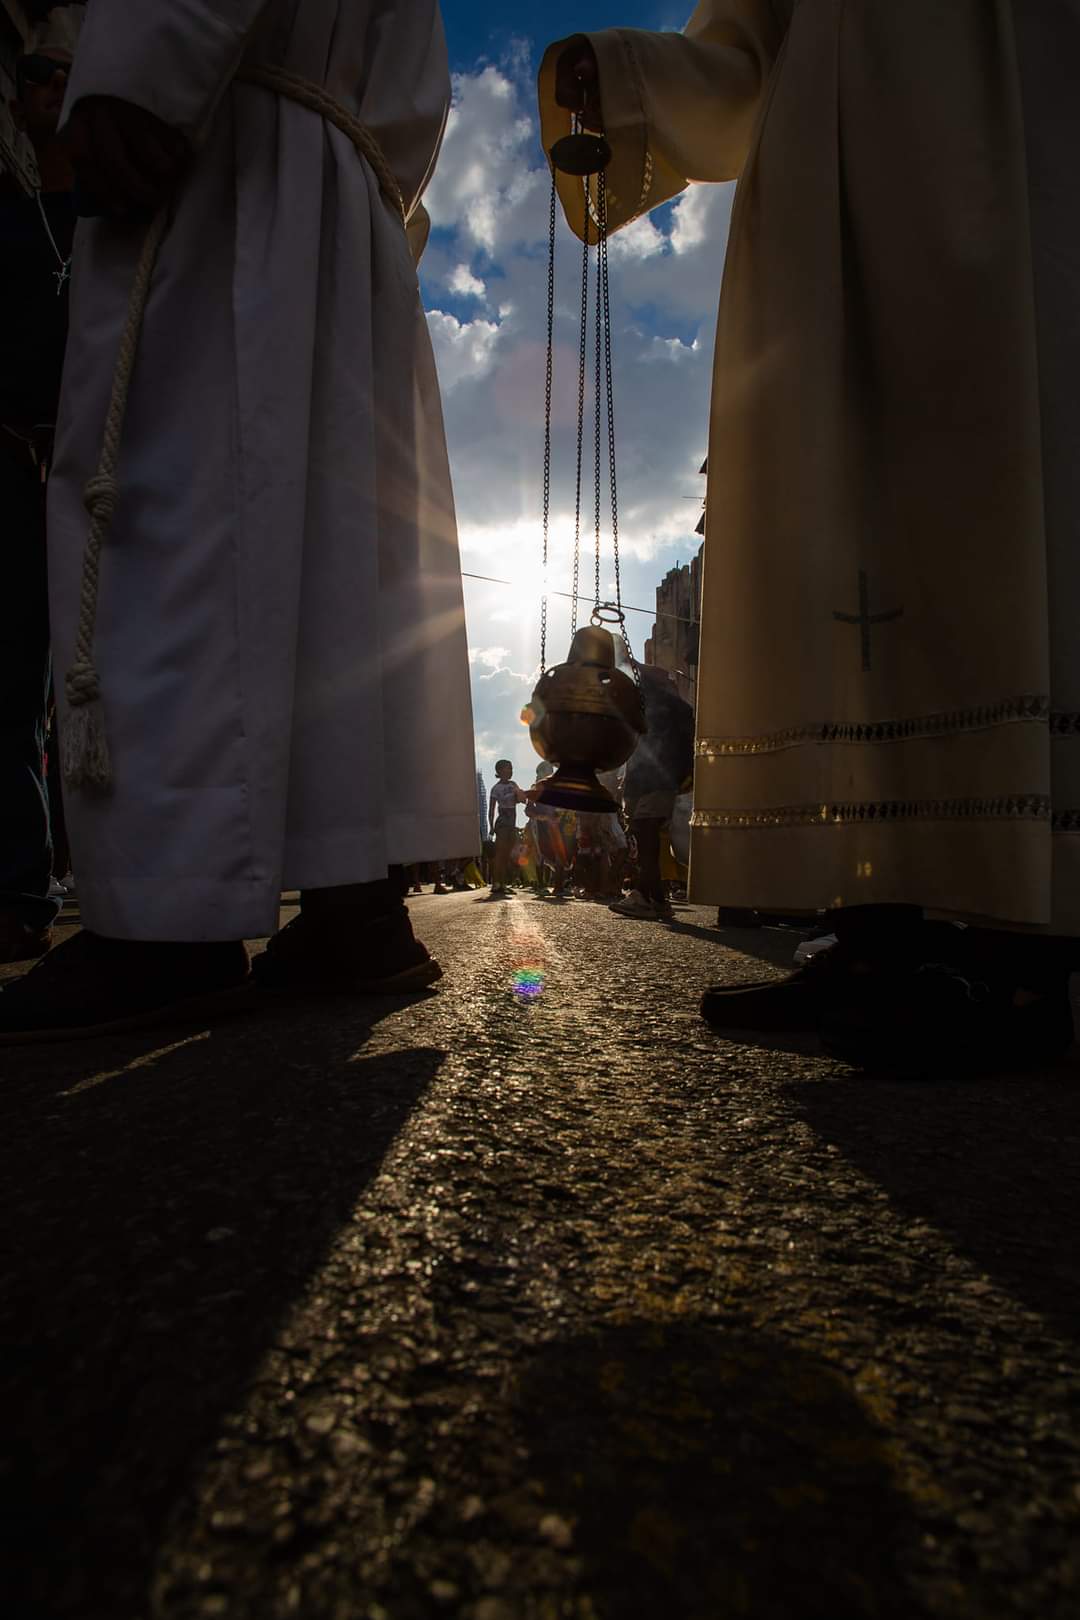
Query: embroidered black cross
x,y
865,619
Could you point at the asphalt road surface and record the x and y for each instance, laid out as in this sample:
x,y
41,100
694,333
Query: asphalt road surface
x,y
529,1299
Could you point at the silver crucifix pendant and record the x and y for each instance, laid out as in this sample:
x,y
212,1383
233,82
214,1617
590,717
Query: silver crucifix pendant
x,y
62,275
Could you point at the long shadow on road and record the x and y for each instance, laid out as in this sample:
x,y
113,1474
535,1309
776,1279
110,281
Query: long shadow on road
x,y
163,1207
993,1164
717,1472
774,946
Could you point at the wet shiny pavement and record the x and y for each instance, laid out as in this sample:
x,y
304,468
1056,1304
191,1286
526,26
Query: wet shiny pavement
x,y
530,1299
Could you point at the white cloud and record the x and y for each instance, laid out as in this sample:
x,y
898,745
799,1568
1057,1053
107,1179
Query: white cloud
x,y
684,280
670,349
496,661
463,349
693,221
487,175
639,240
465,284
490,657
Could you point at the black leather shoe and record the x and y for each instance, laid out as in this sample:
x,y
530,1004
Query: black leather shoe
x,y
768,1005
942,1021
834,982
90,985
782,1005
20,942
368,956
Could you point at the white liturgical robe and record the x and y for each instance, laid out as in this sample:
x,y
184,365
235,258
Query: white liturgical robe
x,y
889,684
280,633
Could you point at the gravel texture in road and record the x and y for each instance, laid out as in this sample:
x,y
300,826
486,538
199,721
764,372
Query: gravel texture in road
x,y
531,1298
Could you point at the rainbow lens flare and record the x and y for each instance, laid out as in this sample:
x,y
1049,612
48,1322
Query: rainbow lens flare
x,y
527,964
527,982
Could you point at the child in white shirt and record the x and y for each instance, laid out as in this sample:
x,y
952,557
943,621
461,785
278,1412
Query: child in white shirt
x,y
502,817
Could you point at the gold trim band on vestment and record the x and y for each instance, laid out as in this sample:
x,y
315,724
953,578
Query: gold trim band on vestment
x,y
1033,807
846,733
646,187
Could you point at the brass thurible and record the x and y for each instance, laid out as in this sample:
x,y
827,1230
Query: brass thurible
x,y
584,716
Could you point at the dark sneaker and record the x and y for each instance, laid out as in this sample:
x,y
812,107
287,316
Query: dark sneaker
x,y
94,986
940,1020
21,943
636,905
370,956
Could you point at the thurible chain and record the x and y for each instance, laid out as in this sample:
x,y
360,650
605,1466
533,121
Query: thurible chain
x,y
547,421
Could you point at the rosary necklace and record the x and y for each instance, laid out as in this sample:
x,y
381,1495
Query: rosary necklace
x,y
63,275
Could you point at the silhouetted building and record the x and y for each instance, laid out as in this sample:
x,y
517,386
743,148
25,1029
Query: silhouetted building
x,y
482,805
673,644
703,471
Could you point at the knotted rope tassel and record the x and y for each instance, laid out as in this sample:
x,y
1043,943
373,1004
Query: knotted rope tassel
x,y
84,747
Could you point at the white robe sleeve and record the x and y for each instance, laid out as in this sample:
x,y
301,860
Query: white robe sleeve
x,y
677,107
175,58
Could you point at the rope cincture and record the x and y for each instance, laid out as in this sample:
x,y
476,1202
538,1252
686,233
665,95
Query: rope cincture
x,y
84,748
318,100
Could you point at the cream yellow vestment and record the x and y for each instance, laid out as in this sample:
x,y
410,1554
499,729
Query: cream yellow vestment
x,y
889,691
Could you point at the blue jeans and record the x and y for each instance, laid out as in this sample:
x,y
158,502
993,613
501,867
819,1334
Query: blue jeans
x,y
26,853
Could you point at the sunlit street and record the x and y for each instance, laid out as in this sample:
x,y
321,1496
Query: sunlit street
x,y
534,1298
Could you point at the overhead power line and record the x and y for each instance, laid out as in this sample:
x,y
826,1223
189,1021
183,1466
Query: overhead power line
x,y
650,613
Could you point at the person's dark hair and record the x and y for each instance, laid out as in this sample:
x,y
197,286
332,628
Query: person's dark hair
x,y
499,763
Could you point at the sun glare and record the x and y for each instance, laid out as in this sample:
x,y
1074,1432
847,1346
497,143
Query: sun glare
x,y
513,558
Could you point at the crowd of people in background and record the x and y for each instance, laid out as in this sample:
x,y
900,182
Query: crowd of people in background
x,y
634,858
565,855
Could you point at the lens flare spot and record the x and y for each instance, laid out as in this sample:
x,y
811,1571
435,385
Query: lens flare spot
x,y
527,964
527,982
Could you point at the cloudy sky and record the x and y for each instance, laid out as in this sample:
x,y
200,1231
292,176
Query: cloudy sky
x,y
484,282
